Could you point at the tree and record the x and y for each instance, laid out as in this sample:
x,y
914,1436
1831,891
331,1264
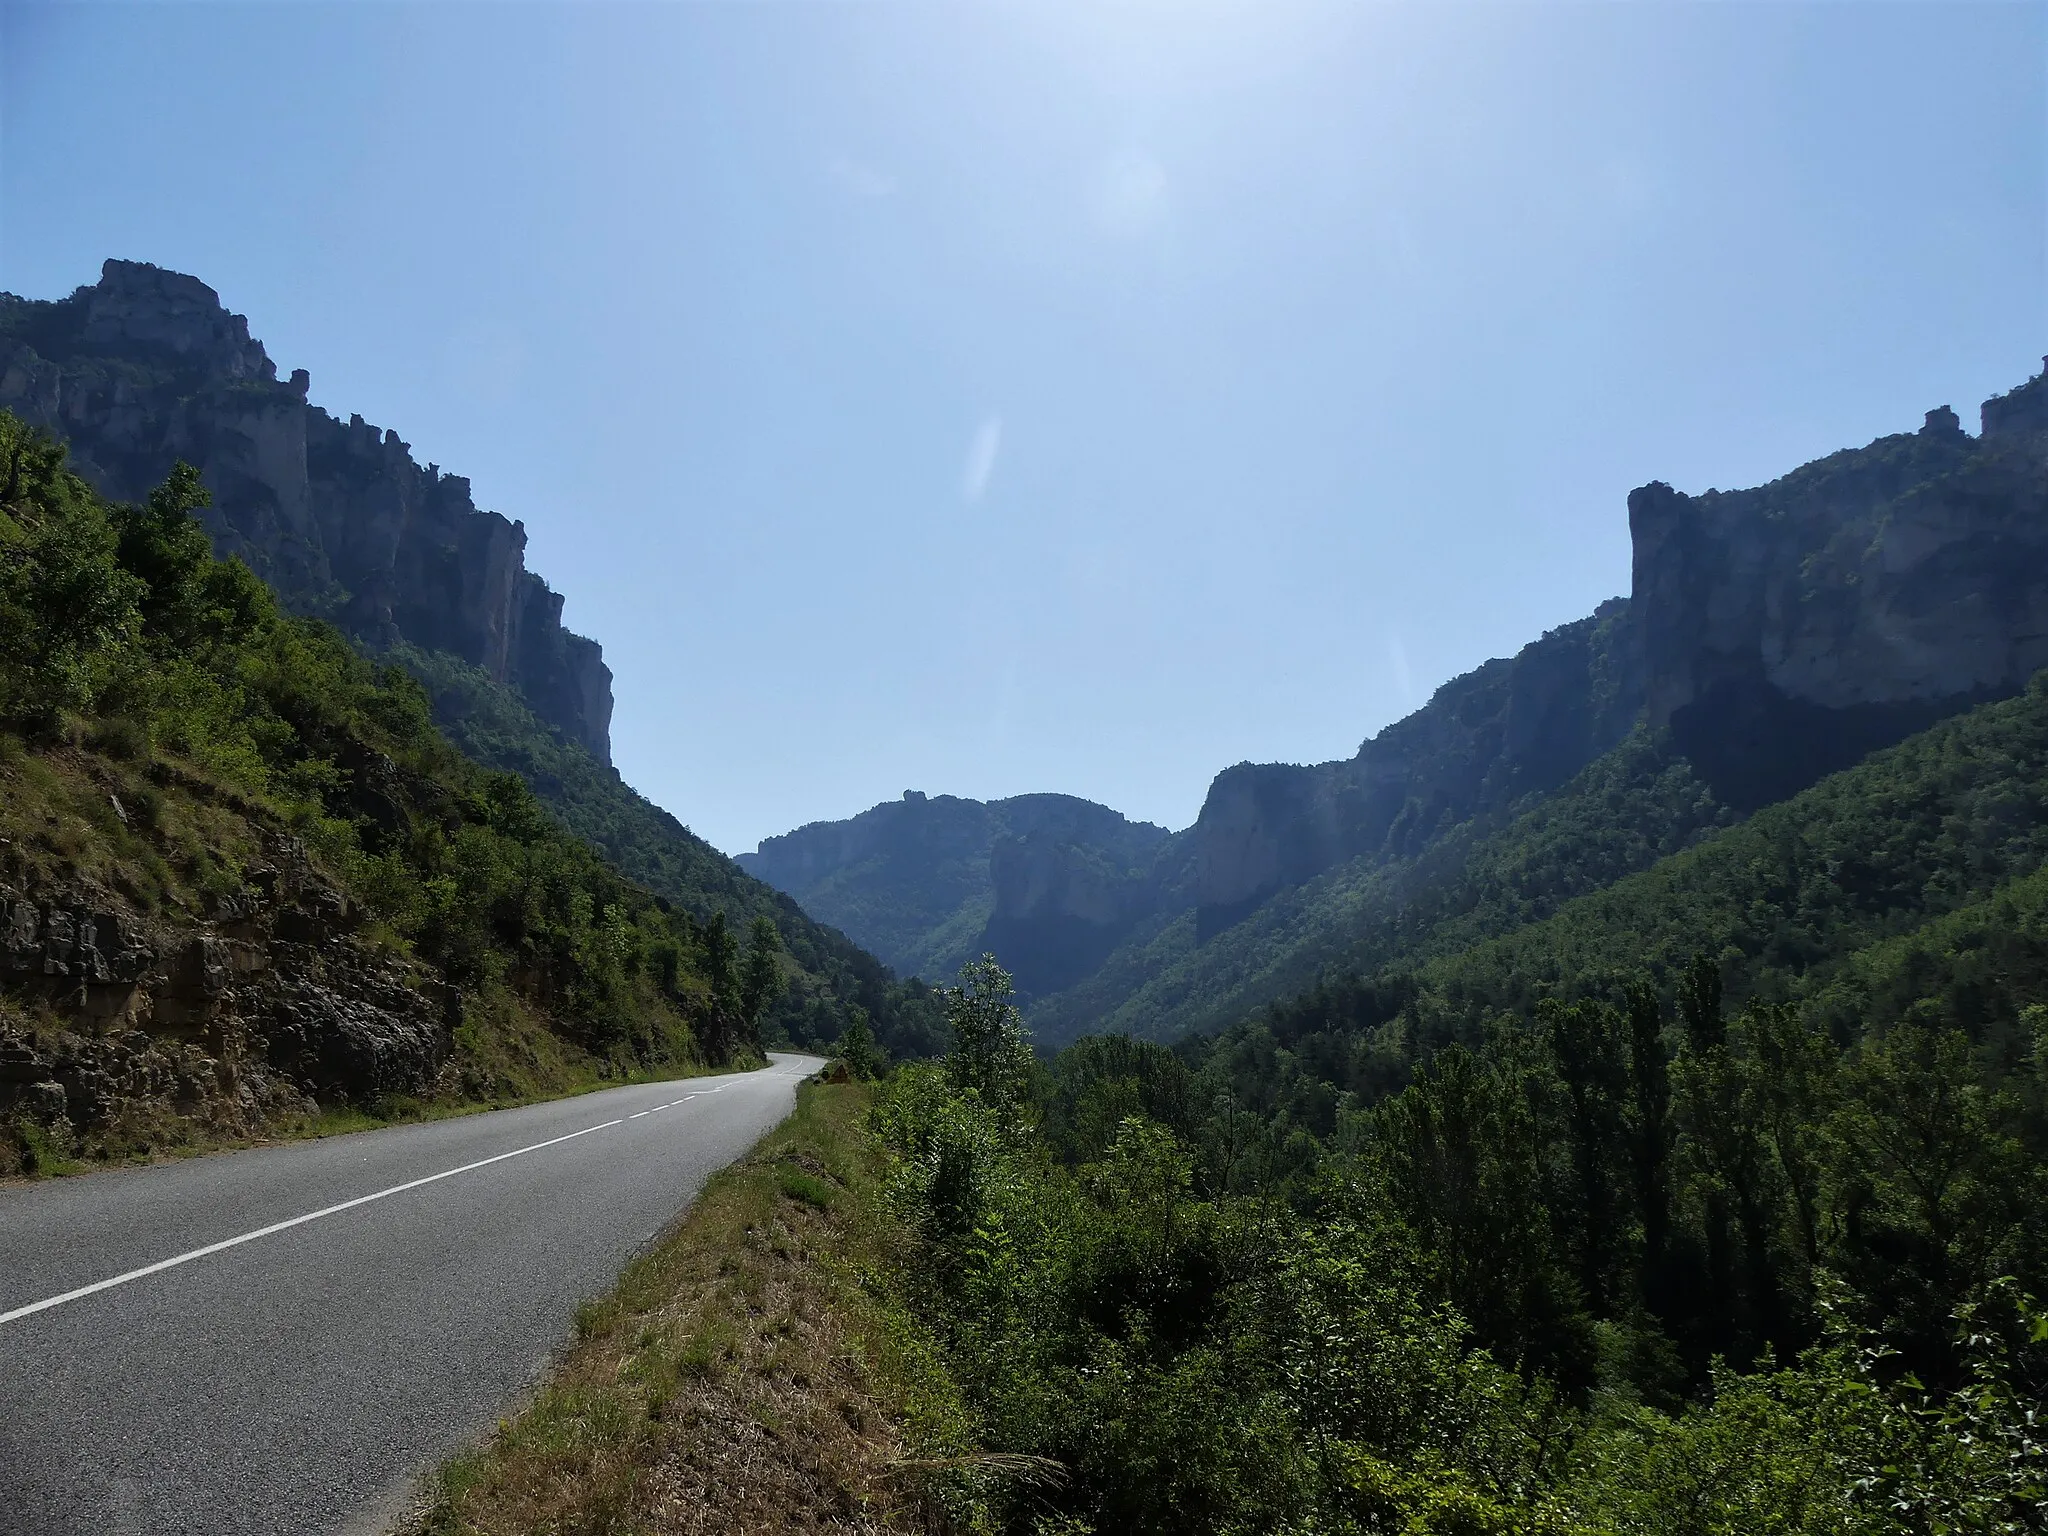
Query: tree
x,y
1699,1003
1734,1181
1586,1047
1651,1135
1463,1157
1789,1099
761,980
163,544
857,1048
66,607
991,1052
721,952
1934,1189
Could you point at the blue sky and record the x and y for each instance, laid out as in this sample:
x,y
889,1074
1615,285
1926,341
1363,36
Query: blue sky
x,y
990,398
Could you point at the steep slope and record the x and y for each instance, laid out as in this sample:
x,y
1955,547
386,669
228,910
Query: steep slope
x,y
1914,834
1486,875
147,368
1050,882
1772,636
240,871
1909,888
834,974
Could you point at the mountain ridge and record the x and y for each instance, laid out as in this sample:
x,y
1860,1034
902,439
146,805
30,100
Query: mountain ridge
x,y
148,367
1013,872
1771,637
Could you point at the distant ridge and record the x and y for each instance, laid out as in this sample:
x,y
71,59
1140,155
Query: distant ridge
x,y
1771,637
928,882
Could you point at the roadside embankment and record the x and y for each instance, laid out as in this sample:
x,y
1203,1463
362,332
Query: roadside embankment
x,y
755,1371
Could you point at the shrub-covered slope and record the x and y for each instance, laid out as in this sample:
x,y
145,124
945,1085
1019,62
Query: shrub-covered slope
x,y
244,873
831,975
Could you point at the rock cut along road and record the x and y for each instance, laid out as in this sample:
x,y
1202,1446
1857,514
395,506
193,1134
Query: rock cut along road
x,y
316,1324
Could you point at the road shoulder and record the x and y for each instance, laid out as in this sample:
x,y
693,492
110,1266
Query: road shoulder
x,y
754,1371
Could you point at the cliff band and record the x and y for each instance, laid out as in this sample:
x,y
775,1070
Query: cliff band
x,y
146,368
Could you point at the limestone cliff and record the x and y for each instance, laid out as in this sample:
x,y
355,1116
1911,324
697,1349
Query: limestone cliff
x,y
1049,883
147,367
1791,629
1780,633
1505,730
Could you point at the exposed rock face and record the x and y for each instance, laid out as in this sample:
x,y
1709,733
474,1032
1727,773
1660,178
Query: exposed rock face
x,y
1789,630
1069,885
1049,883
1486,739
1780,633
231,1020
147,368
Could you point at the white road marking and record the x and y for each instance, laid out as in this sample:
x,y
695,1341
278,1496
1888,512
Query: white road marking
x,y
642,1112
279,1226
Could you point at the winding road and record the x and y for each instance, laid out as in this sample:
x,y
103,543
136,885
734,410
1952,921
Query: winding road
x,y
281,1340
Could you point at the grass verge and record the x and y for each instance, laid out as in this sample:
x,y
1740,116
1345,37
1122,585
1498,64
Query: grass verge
x,y
753,1372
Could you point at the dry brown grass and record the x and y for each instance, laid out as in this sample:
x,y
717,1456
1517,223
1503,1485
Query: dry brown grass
x,y
748,1375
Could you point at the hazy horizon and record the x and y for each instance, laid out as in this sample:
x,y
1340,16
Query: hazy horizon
x,y
1002,399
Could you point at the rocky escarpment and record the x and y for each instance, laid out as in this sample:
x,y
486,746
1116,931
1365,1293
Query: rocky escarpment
x,y
1070,882
1777,634
255,1011
1780,633
1049,883
1789,630
147,367
1505,730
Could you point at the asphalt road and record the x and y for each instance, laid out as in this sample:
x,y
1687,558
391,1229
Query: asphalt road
x,y
299,1381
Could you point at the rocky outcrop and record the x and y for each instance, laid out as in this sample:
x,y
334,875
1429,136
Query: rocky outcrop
x,y
1780,634
1508,729
1789,630
1049,883
146,368
1069,885
265,1006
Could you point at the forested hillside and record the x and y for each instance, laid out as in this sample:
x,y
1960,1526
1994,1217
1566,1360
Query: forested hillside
x,y
1738,1237
930,881
244,876
147,368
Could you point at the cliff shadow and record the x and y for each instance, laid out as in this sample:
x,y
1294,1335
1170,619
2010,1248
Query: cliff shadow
x,y
1755,745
